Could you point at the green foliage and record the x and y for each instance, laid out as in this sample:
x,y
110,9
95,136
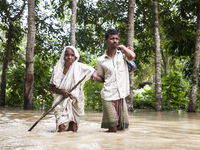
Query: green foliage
x,y
143,27
92,96
59,7
15,85
145,100
52,34
94,20
178,24
43,98
10,21
175,91
144,72
91,90
87,58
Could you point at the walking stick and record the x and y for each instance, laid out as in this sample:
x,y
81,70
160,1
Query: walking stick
x,y
54,105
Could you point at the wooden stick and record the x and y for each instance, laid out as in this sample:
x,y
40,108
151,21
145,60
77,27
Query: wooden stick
x,y
54,105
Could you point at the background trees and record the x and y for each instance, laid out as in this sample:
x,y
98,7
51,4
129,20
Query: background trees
x,y
10,16
177,26
29,79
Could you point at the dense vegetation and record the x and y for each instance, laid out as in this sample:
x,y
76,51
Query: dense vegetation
x,y
177,26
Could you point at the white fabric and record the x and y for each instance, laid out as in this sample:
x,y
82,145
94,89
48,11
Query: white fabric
x,y
70,109
116,76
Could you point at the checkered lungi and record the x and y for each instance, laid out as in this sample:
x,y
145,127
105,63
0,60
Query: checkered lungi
x,y
115,114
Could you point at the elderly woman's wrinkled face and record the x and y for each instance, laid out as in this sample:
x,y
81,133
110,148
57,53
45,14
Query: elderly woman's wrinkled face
x,y
69,56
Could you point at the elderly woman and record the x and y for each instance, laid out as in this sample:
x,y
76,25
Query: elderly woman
x,y
67,72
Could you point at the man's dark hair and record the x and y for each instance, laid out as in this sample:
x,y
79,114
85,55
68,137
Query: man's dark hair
x,y
110,31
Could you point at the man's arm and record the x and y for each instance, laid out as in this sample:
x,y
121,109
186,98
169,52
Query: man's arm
x,y
129,53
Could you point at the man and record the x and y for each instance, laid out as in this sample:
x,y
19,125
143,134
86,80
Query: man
x,y
112,68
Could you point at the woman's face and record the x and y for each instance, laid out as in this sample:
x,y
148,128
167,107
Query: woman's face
x,y
69,56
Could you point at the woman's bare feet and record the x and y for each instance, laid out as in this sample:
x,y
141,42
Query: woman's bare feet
x,y
72,127
69,127
61,128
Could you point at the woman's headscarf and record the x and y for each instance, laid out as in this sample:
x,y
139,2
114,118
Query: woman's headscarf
x,y
58,69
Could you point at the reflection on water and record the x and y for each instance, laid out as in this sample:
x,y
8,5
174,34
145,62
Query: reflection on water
x,y
148,131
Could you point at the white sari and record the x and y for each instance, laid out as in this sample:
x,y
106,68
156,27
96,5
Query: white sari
x,y
70,109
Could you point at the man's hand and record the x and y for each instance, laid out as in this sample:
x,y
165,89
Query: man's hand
x,y
122,47
128,52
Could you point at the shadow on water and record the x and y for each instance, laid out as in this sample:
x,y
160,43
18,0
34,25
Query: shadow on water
x,y
147,131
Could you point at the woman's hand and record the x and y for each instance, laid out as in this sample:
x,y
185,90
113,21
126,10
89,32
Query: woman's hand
x,y
96,77
65,93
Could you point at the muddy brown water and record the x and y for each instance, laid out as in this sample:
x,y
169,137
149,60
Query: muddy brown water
x,y
147,131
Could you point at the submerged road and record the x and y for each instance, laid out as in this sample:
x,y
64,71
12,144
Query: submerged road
x,y
147,131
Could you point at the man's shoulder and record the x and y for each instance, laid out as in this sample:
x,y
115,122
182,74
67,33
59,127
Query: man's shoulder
x,y
101,58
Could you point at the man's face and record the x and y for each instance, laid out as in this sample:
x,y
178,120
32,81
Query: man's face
x,y
112,41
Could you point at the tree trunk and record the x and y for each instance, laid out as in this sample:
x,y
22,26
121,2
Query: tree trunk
x,y
130,39
72,24
158,85
166,63
195,72
5,65
29,80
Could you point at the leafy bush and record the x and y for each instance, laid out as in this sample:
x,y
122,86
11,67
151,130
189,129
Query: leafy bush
x,y
175,91
42,98
145,99
15,85
92,96
91,90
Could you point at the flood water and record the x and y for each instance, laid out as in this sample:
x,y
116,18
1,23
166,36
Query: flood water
x,y
147,131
